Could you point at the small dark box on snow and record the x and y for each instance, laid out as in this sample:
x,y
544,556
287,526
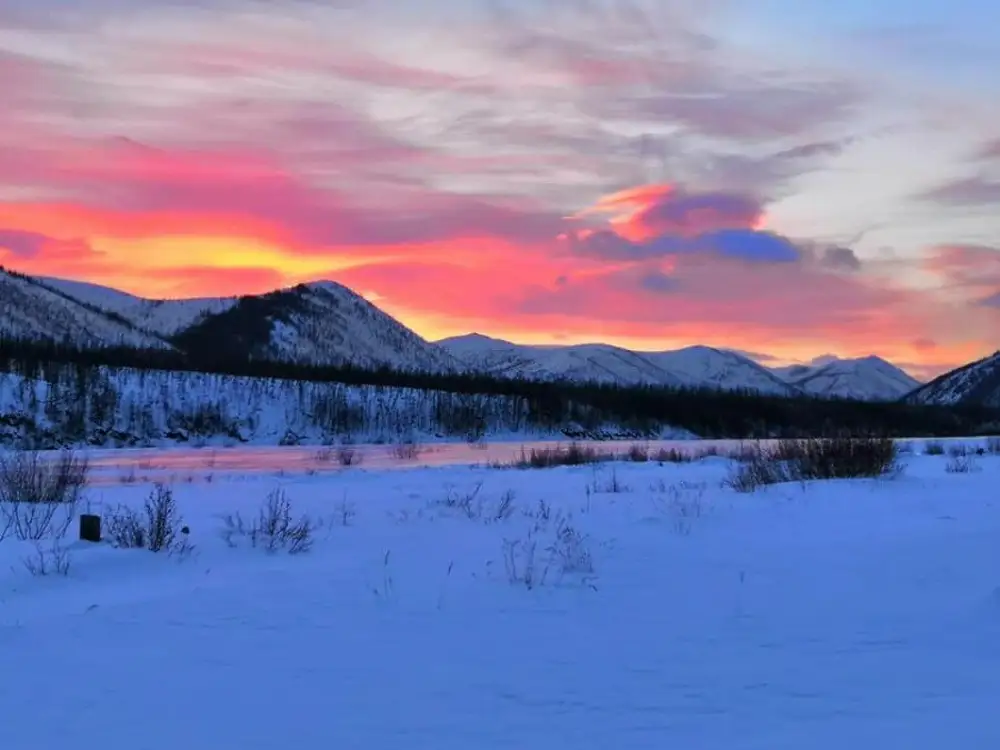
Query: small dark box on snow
x,y
90,527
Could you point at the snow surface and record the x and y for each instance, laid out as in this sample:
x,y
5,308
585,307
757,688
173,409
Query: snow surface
x,y
868,378
859,614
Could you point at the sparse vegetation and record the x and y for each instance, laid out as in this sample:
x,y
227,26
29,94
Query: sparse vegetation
x,y
682,503
346,512
274,528
961,464
48,561
406,449
933,448
548,553
637,453
39,497
348,455
573,454
805,460
672,456
610,485
158,528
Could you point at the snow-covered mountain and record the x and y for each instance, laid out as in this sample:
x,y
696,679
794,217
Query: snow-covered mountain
x,y
322,323
868,378
598,363
718,368
601,363
977,383
29,309
325,323
163,317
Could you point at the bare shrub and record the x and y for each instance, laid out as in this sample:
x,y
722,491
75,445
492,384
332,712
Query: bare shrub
x,y
957,450
548,553
817,458
407,449
744,453
463,501
348,455
839,458
158,528
570,548
961,464
933,448
541,513
672,456
546,458
683,504
346,512
385,589
124,528
46,562
759,471
523,564
611,485
39,497
637,453
274,527
505,508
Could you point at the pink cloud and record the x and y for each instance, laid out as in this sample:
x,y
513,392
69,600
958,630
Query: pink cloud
x,y
449,170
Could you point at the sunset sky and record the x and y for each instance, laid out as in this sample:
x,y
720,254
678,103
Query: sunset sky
x,y
784,177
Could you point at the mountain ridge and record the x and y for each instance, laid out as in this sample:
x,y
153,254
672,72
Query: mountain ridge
x,y
325,323
977,383
868,378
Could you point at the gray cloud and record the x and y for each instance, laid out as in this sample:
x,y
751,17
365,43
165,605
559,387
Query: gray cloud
x,y
970,191
840,258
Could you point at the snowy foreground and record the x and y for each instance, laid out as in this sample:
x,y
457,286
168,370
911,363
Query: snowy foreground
x,y
673,613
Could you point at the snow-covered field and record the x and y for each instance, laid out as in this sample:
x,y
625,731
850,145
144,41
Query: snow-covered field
x,y
671,613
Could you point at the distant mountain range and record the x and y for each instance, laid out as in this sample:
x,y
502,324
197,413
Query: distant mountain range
x,y
870,378
325,323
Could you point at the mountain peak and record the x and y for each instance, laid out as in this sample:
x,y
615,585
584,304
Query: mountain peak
x,y
326,285
869,378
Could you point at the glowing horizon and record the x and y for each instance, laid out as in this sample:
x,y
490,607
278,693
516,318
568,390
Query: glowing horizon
x,y
648,175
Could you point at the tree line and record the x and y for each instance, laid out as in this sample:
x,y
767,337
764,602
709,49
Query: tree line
x,y
638,409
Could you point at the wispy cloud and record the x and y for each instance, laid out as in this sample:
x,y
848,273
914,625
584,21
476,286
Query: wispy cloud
x,y
434,159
